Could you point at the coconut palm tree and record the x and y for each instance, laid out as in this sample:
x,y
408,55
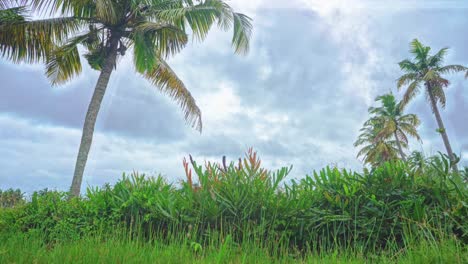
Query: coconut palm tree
x,y
394,122
153,30
375,149
428,70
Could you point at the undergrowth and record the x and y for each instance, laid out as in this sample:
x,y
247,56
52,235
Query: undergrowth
x,y
386,210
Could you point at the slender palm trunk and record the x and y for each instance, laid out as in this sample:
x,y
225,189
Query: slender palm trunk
x,y
91,116
402,154
442,130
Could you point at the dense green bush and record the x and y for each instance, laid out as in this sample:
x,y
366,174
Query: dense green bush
x,y
387,207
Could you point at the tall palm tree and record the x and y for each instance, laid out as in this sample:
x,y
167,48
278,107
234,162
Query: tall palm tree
x,y
427,70
153,29
394,122
375,149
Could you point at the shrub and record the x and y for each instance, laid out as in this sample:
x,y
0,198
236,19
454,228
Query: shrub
x,y
386,207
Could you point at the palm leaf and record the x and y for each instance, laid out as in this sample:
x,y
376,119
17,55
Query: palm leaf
x,y
438,93
163,77
202,16
411,92
406,79
167,38
199,17
106,11
419,50
12,14
408,66
452,69
437,59
64,63
242,33
31,40
7,4
402,137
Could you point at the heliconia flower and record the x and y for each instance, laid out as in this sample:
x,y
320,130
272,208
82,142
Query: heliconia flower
x,y
188,173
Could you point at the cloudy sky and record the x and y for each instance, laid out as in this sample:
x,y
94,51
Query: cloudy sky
x,y
299,97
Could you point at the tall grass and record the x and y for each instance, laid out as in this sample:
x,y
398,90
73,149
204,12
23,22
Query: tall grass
x,y
118,248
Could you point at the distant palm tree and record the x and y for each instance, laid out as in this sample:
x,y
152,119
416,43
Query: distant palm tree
x,y
394,122
153,29
426,70
376,150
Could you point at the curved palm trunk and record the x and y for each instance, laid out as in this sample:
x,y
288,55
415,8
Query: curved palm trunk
x,y
442,131
90,120
400,149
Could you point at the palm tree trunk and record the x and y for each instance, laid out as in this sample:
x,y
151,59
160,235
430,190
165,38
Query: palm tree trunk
x,y
442,130
402,154
91,116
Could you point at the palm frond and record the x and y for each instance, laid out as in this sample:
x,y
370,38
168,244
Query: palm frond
x,y
199,17
12,15
7,4
410,119
452,69
431,76
106,11
411,92
406,79
64,63
402,137
31,40
438,93
163,77
408,66
411,130
167,38
144,52
437,59
52,7
202,16
242,33
420,51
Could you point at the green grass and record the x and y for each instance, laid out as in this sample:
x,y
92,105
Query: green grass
x,y
29,248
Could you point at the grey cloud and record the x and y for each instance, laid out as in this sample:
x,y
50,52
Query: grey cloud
x,y
27,93
131,106
216,145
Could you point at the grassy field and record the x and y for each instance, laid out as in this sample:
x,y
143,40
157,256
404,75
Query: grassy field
x,y
23,248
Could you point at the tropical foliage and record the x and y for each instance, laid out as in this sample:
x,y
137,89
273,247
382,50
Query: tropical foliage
x,y
331,208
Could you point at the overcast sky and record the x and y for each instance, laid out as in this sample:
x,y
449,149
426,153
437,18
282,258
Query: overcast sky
x,y
299,97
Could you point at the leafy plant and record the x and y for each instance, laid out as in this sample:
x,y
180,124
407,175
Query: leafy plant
x,y
228,204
